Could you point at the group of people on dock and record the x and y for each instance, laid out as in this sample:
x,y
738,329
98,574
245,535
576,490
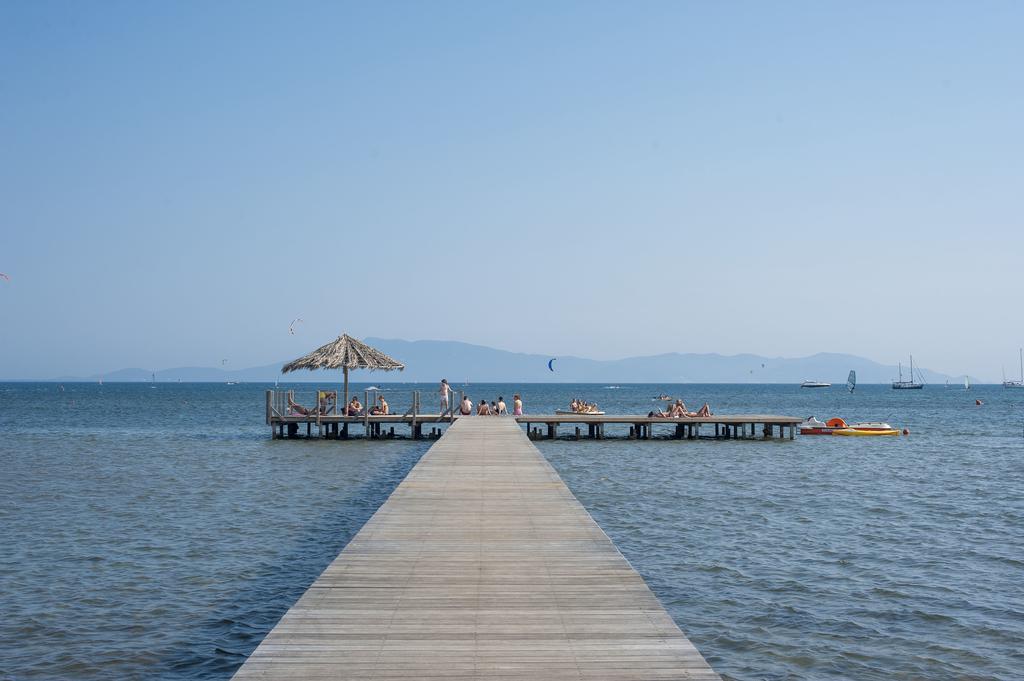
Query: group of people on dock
x,y
355,407
326,400
678,411
495,408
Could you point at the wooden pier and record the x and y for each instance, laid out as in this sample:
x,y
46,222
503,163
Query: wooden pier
x,y
638,426
480,565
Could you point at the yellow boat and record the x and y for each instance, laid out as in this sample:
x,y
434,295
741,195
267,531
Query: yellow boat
x,y
856,432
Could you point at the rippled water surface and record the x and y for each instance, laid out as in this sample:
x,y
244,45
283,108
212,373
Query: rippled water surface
x,y
863,558
158,531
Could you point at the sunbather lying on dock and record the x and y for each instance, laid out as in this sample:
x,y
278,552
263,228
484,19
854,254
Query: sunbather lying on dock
x,y
678,411
297,408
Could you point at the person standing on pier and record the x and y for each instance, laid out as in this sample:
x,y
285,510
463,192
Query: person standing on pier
x,y
446,391
517,405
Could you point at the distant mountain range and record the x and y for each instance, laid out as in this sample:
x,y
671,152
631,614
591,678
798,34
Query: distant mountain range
x,y
460,362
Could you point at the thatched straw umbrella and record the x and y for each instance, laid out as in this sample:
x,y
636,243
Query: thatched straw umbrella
x,y
345,352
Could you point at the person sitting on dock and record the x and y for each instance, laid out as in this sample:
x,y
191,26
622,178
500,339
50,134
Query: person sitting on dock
x,y
482,409
502,409
354,408
466,408
704,411
380,409
677,411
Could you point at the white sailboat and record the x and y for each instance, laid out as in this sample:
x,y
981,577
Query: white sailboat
x,y
1016,384
851,381
967,382
900,384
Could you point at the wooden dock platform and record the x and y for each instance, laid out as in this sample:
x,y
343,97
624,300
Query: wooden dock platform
x,y
640,426
480,565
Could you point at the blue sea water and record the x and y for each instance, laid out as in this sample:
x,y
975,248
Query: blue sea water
x,y
157,530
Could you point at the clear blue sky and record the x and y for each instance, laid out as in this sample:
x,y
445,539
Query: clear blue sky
x,y
179,180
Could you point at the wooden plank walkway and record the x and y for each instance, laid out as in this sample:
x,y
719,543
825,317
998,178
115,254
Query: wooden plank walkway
x,y
481,565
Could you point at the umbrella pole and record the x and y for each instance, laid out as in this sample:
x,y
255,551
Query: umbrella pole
x,y
345,403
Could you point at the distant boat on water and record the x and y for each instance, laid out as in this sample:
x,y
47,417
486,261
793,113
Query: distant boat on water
x,y
967,382
851,381
1016,384
900,384
815,384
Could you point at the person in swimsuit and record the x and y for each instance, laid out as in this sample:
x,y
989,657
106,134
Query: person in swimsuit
x,y
296,407
482,409
502,409
445,391
517,405
466,408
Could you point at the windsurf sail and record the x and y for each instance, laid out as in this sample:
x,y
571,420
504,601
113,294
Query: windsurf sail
x,y
967,382
851,381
